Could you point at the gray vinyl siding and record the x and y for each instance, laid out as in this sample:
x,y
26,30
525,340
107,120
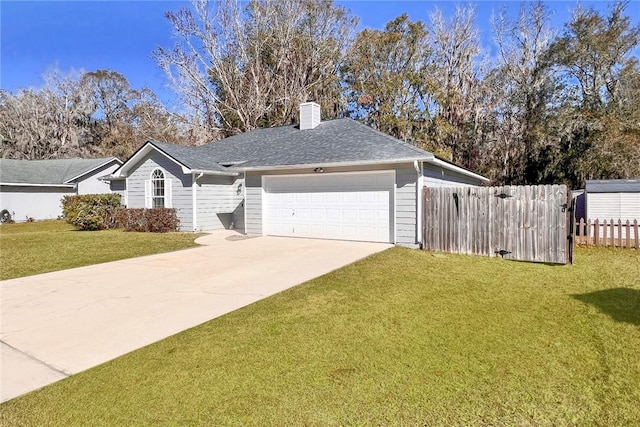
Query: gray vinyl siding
x,y
253,204
405,200
437,176
217,199
237,216
180,186
406,206
118,187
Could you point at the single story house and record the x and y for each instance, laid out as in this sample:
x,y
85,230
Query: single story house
x,y
34,188
337,179
617,199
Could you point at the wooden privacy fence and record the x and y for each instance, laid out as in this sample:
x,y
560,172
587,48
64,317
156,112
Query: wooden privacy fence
x,y
528,223
608,233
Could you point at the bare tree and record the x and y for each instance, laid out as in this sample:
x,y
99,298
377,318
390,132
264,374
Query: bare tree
x,y
45,123
239,68
83,114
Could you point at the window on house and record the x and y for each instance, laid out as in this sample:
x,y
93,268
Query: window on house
x,y
157,189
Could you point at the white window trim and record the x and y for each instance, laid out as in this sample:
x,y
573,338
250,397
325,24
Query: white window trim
x,y
148,190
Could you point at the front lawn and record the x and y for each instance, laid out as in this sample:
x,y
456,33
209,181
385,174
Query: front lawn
x,y
40,247
402,338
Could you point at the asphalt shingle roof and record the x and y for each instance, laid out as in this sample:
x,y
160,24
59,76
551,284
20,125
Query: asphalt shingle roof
x,y
54,172
191,157
334,141
613,186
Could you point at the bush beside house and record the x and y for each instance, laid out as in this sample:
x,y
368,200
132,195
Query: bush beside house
x,y
91,211
104,211
148,220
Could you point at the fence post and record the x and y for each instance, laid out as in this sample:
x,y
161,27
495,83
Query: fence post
x,y
628,238
635,233
424,218
612,233
596,232
581,231
619,233
589,233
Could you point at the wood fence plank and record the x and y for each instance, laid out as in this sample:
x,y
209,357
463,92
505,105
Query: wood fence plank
x,y
552,219
619,233
544,230
627,241
526,221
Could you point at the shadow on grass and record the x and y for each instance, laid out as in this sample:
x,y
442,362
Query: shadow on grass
x,y
621,304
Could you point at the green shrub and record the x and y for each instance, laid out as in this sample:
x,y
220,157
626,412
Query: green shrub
x,y
91,211
148,220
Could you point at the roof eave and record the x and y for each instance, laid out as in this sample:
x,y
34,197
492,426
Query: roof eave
x,y
70,180
458,169
210,172
24,184
335,164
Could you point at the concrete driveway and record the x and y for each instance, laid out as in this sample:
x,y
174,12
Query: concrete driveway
x,y
58,324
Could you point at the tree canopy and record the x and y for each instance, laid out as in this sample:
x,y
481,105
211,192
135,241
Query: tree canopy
x,y
542,105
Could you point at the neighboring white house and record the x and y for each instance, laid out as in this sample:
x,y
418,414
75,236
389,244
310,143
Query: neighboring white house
x,y
34,188
337,179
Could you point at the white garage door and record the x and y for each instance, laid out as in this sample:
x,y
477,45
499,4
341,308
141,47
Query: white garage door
x,y
348,206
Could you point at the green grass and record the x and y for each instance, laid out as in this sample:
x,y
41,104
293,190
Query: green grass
x,y
401,338
40,247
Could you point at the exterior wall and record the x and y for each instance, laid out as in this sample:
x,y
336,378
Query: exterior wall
x,y
119,187
90,184
33,202
405,198
237,216
437,176
253,204
217,198
180,186
624,206
406,206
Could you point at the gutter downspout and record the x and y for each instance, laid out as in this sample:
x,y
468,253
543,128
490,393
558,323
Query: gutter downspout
x,y
418,167
244,202
194,198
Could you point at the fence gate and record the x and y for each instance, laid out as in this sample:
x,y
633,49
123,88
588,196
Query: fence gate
x,y
528,223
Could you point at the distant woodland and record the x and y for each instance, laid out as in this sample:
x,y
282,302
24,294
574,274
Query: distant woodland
x,y
544,105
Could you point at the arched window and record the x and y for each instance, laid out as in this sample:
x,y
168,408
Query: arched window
x,y
157,189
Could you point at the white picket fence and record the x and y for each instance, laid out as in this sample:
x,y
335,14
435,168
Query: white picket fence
x,y
615,233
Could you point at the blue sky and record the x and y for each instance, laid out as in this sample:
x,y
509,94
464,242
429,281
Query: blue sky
x,y
121,35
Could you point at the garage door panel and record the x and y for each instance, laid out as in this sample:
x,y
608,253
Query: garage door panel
x,y
332,197
368,215
340,206
349,215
